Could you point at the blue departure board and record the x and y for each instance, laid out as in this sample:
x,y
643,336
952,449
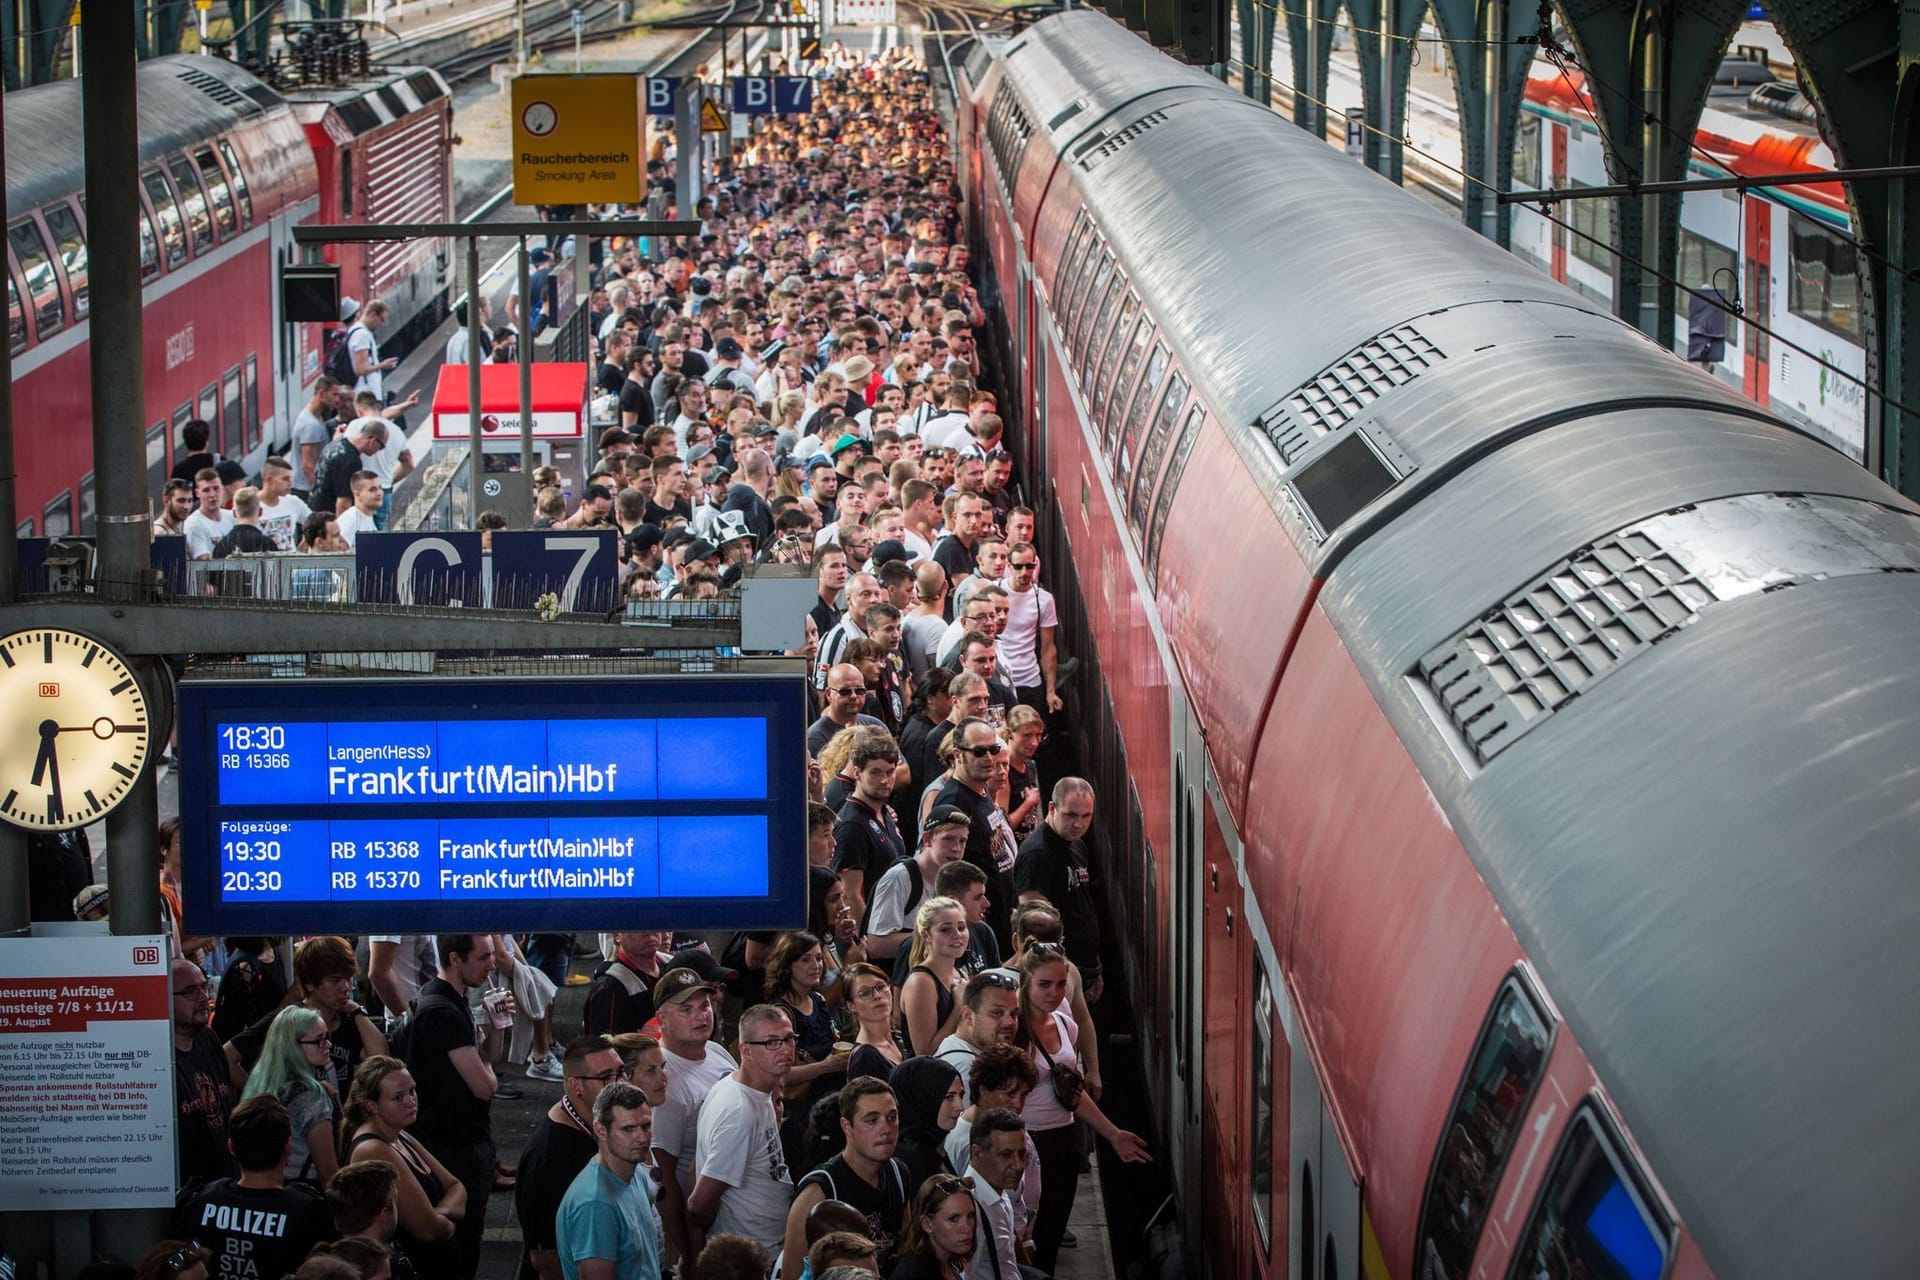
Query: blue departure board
x,y
437,805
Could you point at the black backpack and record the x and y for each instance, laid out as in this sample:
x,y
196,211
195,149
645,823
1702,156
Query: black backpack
x,y
400,1038
338,364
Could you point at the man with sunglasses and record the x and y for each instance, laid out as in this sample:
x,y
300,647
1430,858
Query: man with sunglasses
x,y
560,1148
1029,648
977,747
846,694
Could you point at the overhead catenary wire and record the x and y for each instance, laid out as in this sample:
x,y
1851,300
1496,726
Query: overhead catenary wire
x,y
1731,308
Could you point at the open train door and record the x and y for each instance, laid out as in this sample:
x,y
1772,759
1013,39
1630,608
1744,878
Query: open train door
x,y
1759,298
1186,928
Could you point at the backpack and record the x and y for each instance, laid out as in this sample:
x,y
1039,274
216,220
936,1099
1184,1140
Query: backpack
x,y
400,1035
338,363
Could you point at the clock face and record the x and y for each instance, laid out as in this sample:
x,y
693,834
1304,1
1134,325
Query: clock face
x,y
73,729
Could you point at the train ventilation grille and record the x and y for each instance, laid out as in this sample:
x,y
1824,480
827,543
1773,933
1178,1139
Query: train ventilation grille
x,y
1609,603
1546,644
214,87
1114,143
1345,388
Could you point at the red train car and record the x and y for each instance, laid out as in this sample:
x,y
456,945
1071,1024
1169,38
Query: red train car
x,y
1503,730
224,176
383,149
227,171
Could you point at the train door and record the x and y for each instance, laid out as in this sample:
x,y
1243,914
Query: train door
x,y
1221,1129
1559,179
1025,335
1186,932
1759,297
1324,1227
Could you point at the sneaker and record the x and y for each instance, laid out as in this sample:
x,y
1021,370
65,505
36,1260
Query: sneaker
x,y
1068,1240
547,1068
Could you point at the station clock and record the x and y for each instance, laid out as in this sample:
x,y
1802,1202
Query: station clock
x,y
74,729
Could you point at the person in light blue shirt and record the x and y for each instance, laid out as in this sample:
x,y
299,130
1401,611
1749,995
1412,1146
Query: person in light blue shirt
x,y
607,1228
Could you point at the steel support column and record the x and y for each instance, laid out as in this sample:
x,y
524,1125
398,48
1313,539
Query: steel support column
x,y
1489,71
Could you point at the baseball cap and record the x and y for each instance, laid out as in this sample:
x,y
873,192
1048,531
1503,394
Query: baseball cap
x,y
699,549
678,984
701,961
845,442
644,538
729,349
889,549
699,452
945,815
230,471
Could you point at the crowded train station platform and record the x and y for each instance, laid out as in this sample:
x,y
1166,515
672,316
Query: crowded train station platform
x,y
931,642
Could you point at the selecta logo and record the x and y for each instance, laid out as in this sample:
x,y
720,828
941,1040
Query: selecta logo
x,y
491,421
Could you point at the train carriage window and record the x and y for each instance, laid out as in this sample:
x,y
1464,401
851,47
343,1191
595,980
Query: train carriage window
x,y
1080,293
1260,1185
1105,292
1594,1218
1823,284
71,243
217,190
233,431
253,403
1116,402
1163,497
167,209
241,195
346,182
56,518
86,503
1128,448
1154,452
16,317
1066,286
149,248
1069,259
1592,223
156,460
194,201
1526,154
36,267
1508,1060
1102,389
210,406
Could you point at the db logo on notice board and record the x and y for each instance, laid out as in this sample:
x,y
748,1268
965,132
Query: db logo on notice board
x,y
146,955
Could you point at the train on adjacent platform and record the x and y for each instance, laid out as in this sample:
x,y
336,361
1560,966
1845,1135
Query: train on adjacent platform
x,y
229,165
1504,729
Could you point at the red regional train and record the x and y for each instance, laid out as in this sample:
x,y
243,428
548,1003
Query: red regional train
x,y
229,165
1505,732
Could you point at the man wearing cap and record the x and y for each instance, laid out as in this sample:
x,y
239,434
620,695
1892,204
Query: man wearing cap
x,y
726,373
901,888
685,1006
544,290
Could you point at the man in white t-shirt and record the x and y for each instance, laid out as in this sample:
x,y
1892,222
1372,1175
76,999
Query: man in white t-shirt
x,y
744,1187
684,1003
398,965
943,840
368,368
281,514
364,515
209,522
1029,651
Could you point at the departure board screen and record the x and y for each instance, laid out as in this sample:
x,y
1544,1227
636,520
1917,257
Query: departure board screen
x,y
436,805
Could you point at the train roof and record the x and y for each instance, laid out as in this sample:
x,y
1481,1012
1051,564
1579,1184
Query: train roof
x,y
362,106
1703,834
183,99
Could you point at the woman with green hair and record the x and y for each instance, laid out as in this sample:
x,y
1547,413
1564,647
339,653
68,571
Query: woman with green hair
x,y
295,1066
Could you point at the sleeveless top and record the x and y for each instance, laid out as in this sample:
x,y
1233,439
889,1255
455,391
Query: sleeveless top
x,y
1043,1110
428,1256
884,1206
943,1004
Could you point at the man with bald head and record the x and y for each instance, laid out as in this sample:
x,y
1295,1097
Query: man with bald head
x,y
846,691
749,495
922,630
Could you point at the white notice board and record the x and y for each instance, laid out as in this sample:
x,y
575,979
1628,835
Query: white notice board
x,y
86,1074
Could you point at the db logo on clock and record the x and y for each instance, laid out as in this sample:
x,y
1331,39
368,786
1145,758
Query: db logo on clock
x,y
49,689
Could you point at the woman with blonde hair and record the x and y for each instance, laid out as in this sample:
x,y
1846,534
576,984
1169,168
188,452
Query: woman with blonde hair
x,y
295,1066
930,997
381,1105
1019,798
787,408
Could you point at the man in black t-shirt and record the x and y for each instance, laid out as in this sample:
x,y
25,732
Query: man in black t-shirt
x,y
561,1146
967,790
621,997
1053,865
202,1084
636,397
865,1175
453,1069
866,839
668,498
256,1225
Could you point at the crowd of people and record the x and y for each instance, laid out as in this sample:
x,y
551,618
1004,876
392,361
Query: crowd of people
x,y
902,1088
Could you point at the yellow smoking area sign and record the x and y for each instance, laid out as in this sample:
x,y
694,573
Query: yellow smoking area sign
x,y
577,139
712,119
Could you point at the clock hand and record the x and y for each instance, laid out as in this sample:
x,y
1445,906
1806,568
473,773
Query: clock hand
x,y
47,757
